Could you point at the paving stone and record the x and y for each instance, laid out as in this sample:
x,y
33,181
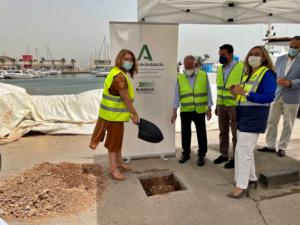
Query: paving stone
x,y
277,177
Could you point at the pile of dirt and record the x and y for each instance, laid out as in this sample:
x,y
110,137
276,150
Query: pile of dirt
x,y
50,189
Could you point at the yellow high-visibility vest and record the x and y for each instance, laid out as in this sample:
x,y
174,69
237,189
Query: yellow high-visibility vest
x,y
225,98
250,85
193,98
112,108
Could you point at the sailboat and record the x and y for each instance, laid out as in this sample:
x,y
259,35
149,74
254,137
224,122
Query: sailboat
x,y
101,66
18,74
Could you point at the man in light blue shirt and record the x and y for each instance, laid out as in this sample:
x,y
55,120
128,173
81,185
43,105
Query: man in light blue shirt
x,y
227,69
189,116
229,73
287,99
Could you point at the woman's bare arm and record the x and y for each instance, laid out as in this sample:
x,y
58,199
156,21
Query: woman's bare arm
x,y
126,99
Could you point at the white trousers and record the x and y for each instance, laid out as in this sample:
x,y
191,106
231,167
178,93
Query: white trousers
x,y
244,158
289,112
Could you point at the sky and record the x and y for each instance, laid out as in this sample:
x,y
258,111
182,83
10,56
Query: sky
x,y
75,28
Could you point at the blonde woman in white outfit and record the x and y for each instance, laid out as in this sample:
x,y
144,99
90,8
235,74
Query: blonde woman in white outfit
x,y
254,96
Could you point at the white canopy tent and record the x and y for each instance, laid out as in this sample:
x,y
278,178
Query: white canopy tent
x,y
219,11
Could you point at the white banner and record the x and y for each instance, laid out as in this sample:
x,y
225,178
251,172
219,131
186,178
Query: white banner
x,y
155,46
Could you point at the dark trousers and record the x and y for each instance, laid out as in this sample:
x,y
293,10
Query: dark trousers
x,y
227,119
186,132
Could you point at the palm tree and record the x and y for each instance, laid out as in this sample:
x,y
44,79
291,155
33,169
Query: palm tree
x,y
199,61
2,60
30,63
73,61
13,61
20,63
63,61
42,61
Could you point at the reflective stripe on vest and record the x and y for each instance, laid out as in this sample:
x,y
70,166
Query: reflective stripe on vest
x,y
251,86
112,108
111,98
224,97
193,98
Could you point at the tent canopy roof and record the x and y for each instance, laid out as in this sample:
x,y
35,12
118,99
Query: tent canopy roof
x,y
219,11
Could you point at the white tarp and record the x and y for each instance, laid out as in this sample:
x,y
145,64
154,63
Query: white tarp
x,y
21,113
219,11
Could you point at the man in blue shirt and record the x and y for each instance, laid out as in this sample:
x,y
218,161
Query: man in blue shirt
x,y
229,73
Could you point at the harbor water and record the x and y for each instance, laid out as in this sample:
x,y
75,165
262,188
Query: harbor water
x,y
61,84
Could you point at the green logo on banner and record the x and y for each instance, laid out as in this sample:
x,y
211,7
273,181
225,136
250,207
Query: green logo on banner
x,y
145,53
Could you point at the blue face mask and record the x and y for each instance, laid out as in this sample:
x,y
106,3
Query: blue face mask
x,y
127,65
223,60
293,52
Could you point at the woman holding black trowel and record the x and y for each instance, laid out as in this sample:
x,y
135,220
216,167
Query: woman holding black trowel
x,y
116,107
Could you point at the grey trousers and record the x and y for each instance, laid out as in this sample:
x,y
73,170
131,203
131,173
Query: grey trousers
x,y
289,112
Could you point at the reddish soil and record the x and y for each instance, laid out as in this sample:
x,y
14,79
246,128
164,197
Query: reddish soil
x,y
50,189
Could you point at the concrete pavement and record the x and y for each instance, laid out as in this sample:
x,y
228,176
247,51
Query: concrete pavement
x,y
125,203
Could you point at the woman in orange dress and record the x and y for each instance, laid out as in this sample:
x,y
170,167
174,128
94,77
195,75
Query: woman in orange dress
x,y
116,108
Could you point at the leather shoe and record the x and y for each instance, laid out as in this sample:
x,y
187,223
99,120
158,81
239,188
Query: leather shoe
x,y
220,160
183,159
266,149
281,153
244,192
201,161
230,164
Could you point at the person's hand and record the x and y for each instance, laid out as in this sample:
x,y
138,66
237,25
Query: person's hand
x,y
284,83
135,118
237,90
217,111
208,114
279,80
92,146
232,91
174,117
287,84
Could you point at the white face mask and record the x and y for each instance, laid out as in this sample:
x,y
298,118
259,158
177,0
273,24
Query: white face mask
x,y
254,61
189,72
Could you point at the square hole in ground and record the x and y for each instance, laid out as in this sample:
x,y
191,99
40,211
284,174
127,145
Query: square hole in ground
x,y
161,183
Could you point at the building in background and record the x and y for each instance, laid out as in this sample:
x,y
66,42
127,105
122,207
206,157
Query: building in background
x,y
27,61
7,62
